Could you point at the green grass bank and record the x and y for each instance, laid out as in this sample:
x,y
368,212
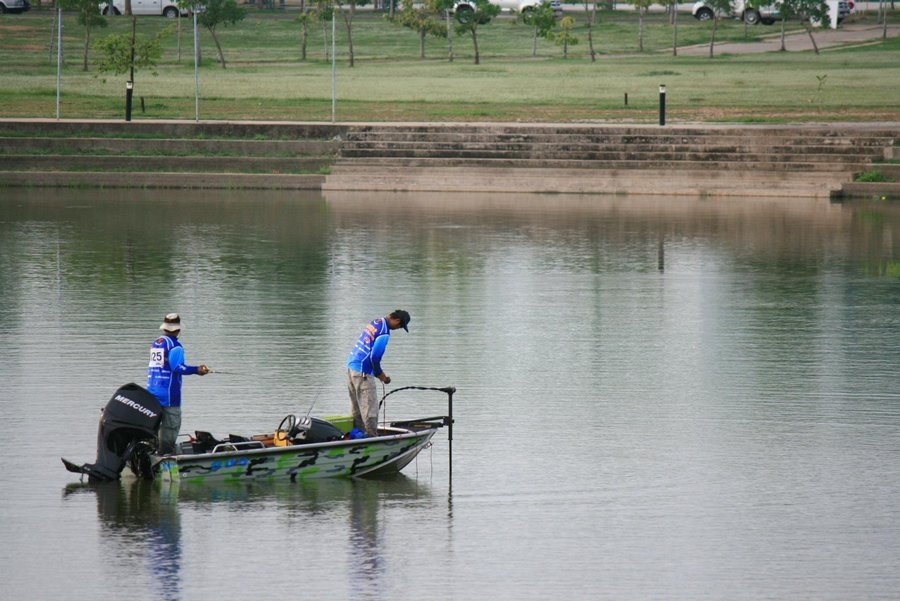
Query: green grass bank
x,y
266,79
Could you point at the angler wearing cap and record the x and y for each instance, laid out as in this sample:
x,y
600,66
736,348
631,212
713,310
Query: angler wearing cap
x,y
364,365
164,379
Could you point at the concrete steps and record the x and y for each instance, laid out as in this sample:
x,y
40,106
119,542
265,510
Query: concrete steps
x,y
706,160
885,190
171,155
174,180
806,160
152,164
606,181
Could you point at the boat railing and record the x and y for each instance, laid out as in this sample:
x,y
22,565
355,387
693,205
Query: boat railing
x,y
430,422
237,446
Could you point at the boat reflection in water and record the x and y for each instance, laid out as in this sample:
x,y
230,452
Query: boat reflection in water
x,y
142,525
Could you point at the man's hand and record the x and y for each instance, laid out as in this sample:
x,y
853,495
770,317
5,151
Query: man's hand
x,y
202,370
384,378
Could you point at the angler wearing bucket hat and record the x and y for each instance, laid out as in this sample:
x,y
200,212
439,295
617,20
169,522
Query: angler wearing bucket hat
x,y
364,365
164,379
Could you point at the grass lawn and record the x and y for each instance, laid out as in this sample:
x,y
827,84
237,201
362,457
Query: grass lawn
x,y
266,79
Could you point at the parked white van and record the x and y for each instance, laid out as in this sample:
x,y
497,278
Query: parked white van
x,y
166,8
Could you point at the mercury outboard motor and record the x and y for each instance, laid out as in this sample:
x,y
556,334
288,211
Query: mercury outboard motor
x,y
130,417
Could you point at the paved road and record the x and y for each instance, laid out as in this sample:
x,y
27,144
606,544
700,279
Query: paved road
x,y
797,41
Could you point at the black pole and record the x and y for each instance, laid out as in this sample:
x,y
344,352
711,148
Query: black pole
x,y
129,92
129,85
450,392
662,104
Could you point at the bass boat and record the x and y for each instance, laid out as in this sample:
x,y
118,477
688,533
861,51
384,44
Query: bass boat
x,y
303,448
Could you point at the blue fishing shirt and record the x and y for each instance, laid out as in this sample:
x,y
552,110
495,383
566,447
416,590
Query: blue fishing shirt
x,y
165,370
368,350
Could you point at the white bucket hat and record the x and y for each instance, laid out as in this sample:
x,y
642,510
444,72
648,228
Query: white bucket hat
x,y
171,323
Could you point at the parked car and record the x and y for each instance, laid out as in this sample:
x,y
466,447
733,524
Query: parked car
x,y
14,6
464,8
166,8
752,15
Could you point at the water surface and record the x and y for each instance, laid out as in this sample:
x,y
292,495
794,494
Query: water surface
x,y
658,398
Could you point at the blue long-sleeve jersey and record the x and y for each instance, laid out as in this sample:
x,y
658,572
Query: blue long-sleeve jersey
x,y
165,370
368,350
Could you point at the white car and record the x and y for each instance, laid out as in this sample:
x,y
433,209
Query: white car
x,y
464,8
166,8
752,16
765,14
14,6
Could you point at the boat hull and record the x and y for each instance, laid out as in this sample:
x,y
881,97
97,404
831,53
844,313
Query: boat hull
x,y
368,457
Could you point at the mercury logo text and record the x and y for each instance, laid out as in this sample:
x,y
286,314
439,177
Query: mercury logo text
x,y
136,406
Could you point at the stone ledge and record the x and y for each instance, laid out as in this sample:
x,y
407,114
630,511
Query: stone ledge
x,y
222,181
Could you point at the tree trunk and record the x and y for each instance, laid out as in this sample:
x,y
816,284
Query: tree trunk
x,y
592,19
87,45
591,43
811,38
218,46
783,48
640,30
475,44
348,22
304,37
712,40
422,33
674,30
449,38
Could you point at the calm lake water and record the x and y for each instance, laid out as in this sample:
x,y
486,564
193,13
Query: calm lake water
x,y
674,399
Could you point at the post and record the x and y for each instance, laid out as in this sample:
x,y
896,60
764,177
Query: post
x,y
662,104
196,64
58,58
333,69
129,91
450,392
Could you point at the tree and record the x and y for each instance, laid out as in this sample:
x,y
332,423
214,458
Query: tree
x,y
445,7
128,52
805,11
348,22
305,18
89,17
323,12
564,36
483,13
672,7
591,10
719,8
542,19
641,7
421,18
218,12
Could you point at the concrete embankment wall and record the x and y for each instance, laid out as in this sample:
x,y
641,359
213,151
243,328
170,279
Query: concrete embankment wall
x,y
714,160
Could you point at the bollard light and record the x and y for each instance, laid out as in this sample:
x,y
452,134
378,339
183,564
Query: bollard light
x,y
129,91
662,104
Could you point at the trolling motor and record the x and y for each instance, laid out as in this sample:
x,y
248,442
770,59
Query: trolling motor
x,y
130,418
